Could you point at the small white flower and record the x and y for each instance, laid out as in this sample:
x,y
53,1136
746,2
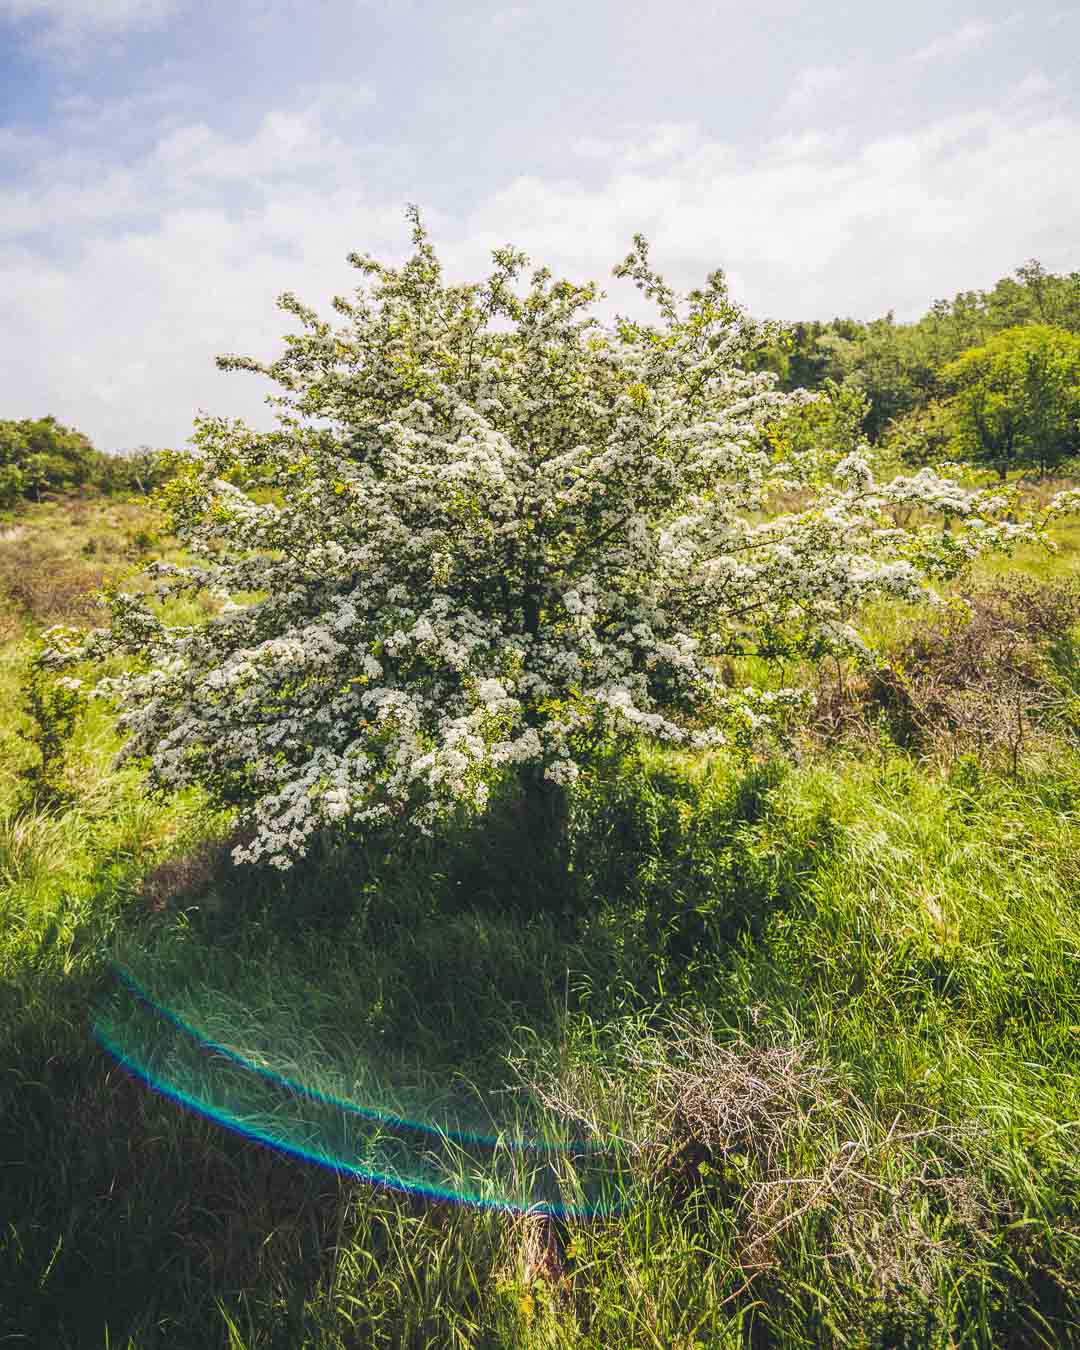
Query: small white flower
x,y
490,691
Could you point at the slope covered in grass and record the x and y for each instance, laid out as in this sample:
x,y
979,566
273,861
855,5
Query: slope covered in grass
x,y
829,1003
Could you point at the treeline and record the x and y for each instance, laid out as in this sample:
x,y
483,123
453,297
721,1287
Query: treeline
x,y
990,377
41,456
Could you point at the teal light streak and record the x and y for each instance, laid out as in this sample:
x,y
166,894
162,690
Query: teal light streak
x,y
367,1113
139,1071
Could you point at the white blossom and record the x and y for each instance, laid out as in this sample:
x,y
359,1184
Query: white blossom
x,y
512,540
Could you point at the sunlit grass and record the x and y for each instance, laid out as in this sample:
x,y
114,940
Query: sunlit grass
x,y
874,1142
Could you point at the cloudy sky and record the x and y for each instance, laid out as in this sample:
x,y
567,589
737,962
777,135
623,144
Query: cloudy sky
x,y
168,167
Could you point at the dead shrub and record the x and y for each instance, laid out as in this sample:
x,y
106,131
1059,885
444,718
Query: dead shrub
x,y
715,1099
532,1251
772,1136
976,678
894,1214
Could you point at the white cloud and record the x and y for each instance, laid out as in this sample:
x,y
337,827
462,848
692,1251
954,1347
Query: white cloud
x,y
120,338
100,119
640,144
288,141
815,83
187,162
285,144
804,144
1034,85
100,193
967,38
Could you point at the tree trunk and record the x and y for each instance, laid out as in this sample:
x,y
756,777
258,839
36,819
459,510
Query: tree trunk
x,y
545,811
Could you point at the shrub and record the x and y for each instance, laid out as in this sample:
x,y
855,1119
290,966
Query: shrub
x,y
515,550
985,677
53,706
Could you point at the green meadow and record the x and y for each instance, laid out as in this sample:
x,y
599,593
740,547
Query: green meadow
x,y
820,1007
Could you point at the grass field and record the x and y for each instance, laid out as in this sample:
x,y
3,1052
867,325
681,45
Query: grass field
x,y
829,1002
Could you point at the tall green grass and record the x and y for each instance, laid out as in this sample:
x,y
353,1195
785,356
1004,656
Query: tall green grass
x,y
832,1006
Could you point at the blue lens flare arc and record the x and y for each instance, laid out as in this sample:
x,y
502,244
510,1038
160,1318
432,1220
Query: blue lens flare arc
x,y
138,1072
387,1119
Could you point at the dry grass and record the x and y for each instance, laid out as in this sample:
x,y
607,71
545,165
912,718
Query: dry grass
x,y
55,555
985,677
896,1232
1035,493
769,1133
45,585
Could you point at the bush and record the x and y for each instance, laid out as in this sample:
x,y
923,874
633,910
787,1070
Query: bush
x,y
514,550
990,676
53,706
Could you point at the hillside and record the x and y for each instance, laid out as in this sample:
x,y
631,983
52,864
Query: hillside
x,y
829,1002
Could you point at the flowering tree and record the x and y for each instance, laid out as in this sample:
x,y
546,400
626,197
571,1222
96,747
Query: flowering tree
x,y
514,547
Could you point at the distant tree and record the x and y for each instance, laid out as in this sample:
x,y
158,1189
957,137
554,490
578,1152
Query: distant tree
x,y
893,367
1037,296
140,471
148,469
40,455
45,455
805,355
12,484
897,365
924,435
835,421
1016,399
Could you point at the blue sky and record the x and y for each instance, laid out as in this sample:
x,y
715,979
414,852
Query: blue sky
x,y
167,168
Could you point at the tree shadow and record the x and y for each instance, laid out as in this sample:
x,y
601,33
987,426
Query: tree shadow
x,y
123,1210
124,1215
683,871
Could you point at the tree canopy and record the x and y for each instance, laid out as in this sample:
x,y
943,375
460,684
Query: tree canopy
x,y
36,455
40,455
898,366
1016,399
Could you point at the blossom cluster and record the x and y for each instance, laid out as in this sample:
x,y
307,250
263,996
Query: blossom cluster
x,y
512,546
